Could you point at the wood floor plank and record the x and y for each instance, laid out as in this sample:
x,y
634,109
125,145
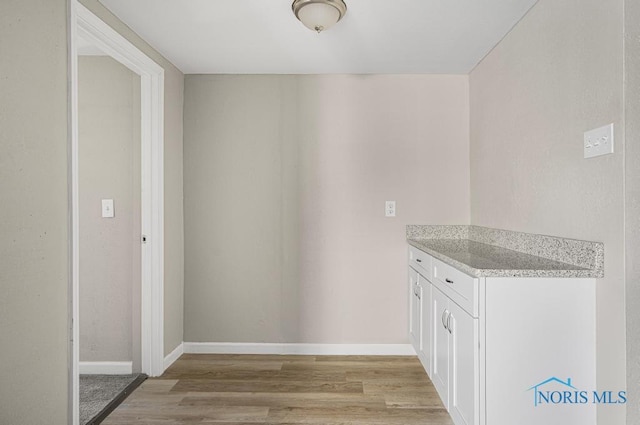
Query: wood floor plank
x,y
249,357
370,359
413,401
238,373
189,414
357,415
286,400
351,366
155,385
275,385
230,362
222,374
386,375
397,387
286,390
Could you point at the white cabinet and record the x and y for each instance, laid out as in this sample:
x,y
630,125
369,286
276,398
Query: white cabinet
x,y
464,367
424,350
533,330
420,306
455,373
421,262
440,345
415,309
486,342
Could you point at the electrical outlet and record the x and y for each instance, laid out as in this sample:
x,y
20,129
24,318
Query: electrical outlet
x,y
598,142
390,209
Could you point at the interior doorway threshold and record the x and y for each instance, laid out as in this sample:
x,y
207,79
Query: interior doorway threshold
x,y
94,385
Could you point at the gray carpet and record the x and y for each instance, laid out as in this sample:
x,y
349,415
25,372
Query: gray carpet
x,y
98,391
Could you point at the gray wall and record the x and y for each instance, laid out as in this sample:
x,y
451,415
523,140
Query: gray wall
x,y
632,222
285,183
173,192
34,307
34,277
531,99
109,168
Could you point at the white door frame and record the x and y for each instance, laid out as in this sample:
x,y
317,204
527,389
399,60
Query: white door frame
x,y
85,25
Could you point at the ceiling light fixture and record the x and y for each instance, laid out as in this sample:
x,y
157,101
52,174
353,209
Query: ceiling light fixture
x,y
319,15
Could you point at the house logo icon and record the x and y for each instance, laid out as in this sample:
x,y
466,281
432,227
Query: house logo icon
x,y
546,396
556,391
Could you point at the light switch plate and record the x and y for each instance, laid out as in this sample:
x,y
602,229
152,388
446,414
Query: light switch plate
x,y
598,142
107,208
390,209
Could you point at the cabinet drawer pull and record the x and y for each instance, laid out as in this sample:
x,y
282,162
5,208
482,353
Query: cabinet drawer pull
x,y
448,280
418,260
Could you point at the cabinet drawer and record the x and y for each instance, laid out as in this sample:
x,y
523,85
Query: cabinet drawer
x,y
421,262
460,287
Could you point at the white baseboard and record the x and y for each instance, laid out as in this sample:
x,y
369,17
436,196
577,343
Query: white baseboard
x,y
173,356
305,349
106,368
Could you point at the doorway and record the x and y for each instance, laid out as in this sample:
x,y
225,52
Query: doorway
x,y
87,29
110,265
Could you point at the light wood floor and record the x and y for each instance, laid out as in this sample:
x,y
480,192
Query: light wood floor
x,y
311,390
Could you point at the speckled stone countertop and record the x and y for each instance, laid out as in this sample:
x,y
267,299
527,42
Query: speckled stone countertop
x,y
465,248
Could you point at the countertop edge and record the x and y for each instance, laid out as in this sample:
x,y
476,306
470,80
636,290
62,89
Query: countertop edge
x,y
471,271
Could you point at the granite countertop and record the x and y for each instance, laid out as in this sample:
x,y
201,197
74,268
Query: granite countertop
x,y
487,260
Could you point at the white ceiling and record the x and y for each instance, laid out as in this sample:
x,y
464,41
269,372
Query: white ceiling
x,y
375,36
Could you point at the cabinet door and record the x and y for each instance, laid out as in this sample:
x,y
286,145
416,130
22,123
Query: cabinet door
x,y
464,367
425,350
415,311
440,344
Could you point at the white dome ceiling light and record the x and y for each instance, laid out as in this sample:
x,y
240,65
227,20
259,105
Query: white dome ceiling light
x,y
319,15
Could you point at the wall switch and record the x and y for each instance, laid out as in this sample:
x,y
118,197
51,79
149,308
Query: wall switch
x,y
390,209
599,141
107,208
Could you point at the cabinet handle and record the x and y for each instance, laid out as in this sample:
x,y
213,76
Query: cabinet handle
x,y
449,322
418,260
444,314
449,281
